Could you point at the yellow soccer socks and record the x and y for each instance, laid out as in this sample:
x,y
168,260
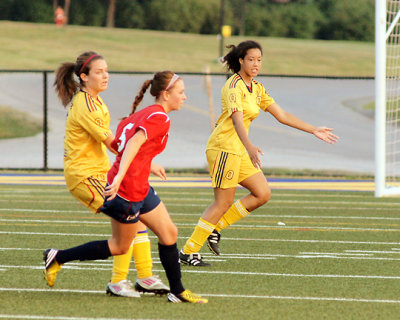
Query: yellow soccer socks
x,y
121,265
141,251
198,237
236,212
142,255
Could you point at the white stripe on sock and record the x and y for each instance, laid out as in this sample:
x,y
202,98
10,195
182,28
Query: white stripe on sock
x,y
242,211
206,226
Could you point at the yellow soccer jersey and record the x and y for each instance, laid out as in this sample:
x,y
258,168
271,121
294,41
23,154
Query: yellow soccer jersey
x,y
236,96
87,126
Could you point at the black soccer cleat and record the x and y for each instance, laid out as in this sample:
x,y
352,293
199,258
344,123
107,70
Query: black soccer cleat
x,y
193,259
213,241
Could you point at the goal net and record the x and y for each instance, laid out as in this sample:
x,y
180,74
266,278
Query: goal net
x,y
387,98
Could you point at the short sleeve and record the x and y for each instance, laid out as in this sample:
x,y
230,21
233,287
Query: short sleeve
x,y
155,124
266,99
234,98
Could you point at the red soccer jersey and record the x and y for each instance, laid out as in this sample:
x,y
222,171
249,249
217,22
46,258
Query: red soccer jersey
x,y
155,123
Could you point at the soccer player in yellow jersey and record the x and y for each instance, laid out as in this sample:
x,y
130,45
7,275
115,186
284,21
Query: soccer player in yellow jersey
x,y
232,158
86,163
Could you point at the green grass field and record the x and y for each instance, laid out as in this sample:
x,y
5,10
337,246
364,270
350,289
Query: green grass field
x,y
336,257
44,46
16,124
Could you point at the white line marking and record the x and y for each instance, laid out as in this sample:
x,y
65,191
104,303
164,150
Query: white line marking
x,y
57,234
305,255
241,273
12,316
167,190
370,251
237,226
185,238
253,215
303,298
56,221
43,210
339,299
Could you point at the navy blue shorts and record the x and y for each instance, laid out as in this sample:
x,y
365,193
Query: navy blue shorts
x,y
125,211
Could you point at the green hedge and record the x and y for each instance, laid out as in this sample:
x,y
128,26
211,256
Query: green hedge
x,y
318,19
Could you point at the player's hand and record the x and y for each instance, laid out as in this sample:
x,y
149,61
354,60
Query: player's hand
x,y
110,192
254,154
326,135
158,170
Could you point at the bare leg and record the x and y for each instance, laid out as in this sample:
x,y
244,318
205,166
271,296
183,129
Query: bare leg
x,y
159,221
260,193
122,236
223,199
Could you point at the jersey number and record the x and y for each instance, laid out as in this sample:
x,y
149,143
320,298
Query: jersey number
x,y
122,138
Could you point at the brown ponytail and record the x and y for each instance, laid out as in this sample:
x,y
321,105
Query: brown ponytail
x,y
65,84
158,84
140,95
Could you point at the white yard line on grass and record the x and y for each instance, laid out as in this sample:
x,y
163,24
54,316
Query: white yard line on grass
x,y
176,201
254,215
76,266
185,238
338,299
167,191
39,317
394,250
237,226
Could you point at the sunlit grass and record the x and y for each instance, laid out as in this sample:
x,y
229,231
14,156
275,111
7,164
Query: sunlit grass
x,y
43,46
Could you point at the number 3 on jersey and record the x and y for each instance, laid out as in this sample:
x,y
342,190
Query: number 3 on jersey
x,y
122,138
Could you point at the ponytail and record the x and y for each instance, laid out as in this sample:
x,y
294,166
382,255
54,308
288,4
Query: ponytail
x,y
65,84
232,59
161,81
140,95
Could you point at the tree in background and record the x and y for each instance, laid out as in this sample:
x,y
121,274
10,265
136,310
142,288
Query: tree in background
x,y
129,14
111,13
320,19
347,20
27,10
183,15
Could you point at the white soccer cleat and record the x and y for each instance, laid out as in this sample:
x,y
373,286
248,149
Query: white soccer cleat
x,y
151,284
122,289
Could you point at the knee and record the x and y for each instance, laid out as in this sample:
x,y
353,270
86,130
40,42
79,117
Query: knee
x,y
173,233
118,249
264,197
170,236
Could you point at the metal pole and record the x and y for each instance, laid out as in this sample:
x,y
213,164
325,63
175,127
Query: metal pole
x,y
380,97
45,168
221,24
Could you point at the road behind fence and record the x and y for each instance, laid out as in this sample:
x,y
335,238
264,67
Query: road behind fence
x,y
332,102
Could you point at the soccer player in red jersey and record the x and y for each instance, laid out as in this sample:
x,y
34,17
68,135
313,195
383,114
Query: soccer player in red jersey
x,y
129,196
86,163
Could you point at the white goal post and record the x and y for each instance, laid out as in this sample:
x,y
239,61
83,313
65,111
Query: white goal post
x,y
387,98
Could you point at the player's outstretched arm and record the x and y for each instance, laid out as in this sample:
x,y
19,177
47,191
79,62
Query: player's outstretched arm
x,y
289,119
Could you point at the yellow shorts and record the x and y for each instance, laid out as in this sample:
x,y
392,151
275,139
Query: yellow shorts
x,y
227,169
90,192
